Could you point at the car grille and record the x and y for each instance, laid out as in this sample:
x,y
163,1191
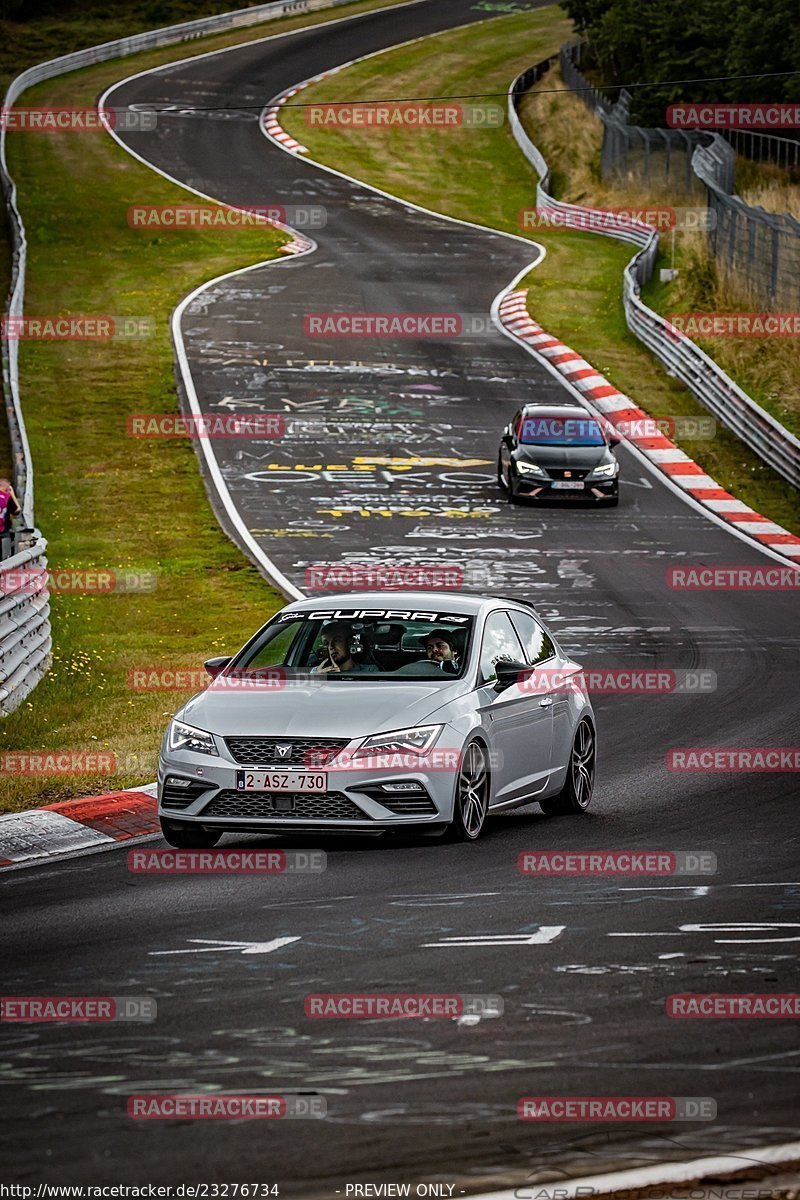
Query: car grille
x,y
333,806
305,752
566,473
175,796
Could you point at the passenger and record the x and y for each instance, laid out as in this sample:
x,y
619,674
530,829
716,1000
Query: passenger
x,y
440,648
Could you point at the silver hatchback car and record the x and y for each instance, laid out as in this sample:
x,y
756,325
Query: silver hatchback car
x,y
375,711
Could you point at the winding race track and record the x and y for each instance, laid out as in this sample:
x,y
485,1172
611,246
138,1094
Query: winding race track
x,y
389,454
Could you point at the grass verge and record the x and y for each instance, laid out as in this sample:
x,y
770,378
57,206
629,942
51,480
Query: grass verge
x,y
480,175
103,499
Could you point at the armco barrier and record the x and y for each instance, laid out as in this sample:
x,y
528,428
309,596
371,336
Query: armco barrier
x,y
779,448
25,642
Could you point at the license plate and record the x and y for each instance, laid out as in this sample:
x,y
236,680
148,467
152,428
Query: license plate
x,y
567,484
281,781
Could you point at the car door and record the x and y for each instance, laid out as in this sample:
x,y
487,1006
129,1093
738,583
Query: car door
x,y
517,722
508,442
540,652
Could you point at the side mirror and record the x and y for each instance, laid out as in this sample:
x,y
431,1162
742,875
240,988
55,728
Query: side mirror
x,y
613,440
215,666
508,673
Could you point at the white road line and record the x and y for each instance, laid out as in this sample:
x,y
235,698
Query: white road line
x,y
213,947
542,937
643,1177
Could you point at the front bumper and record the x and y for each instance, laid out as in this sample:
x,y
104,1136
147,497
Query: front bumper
x,y
595,490
356,799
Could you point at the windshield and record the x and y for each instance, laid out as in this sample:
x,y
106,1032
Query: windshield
x,y
560,431
360,644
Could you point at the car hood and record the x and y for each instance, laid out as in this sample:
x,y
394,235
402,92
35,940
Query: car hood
x,y
344,709
564,456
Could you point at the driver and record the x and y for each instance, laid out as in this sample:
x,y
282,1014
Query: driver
x,y
440,648
336,639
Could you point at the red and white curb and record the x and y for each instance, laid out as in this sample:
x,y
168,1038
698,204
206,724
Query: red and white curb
x,y
620,410
273,129
299,244
269,118
36,835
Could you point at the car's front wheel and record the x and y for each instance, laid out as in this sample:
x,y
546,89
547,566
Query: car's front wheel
x,y
576,794
472,795
183,836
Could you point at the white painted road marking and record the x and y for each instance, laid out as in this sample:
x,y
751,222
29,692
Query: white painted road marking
x,y
210,946
543,935
729,927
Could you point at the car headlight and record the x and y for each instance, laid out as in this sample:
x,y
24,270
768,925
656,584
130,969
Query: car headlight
x,y
417,740
608,469
186,737
527,468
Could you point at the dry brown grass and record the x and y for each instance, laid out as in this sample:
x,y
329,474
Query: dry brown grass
x,y
570,137
771,187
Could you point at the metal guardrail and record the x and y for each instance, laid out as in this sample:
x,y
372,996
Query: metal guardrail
x,y
737,411
25,639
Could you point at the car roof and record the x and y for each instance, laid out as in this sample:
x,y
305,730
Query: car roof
x,y
556,410
458,603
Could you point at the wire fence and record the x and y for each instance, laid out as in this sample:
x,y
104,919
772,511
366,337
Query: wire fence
x,y
758,251
757,428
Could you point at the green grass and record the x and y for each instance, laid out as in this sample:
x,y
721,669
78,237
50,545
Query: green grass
x,y
103,499
482,176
